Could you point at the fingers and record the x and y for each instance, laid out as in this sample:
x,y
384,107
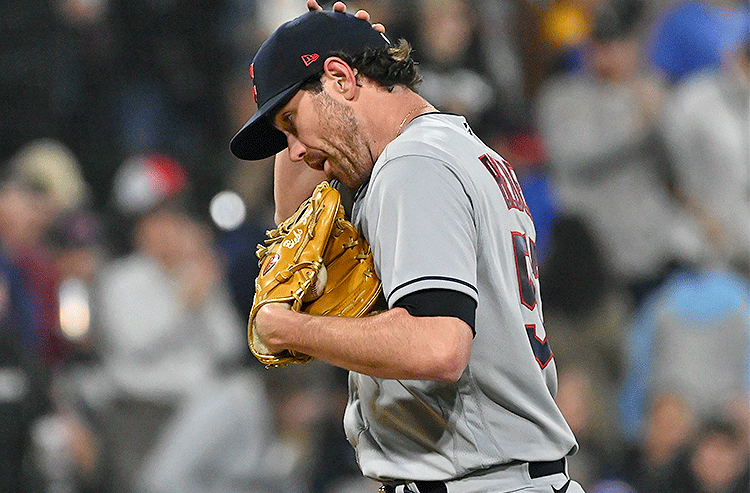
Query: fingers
x,y
314,5
341,7
362,14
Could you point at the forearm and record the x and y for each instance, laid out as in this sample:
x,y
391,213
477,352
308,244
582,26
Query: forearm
x,y
293,183
391,344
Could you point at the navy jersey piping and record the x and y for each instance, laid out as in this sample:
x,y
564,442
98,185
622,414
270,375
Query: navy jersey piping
x,y
428,278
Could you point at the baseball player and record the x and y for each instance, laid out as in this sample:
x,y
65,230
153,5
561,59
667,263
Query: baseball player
x,y
452,387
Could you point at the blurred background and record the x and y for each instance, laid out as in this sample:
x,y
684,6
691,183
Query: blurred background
x,y
128,234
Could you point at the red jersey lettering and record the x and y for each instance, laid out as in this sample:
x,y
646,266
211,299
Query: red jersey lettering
x,y
506,179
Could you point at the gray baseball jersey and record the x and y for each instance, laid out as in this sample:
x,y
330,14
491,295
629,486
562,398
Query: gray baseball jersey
x,y
442,210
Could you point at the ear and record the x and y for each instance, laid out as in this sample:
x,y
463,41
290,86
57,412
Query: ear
x,y
343,77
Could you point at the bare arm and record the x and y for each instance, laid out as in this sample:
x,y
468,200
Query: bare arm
x,y
295,182
292,184
391,344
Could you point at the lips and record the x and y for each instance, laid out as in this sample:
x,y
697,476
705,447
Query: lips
x,y
315,163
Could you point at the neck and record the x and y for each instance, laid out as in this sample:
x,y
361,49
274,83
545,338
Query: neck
x,y
391,113
412,114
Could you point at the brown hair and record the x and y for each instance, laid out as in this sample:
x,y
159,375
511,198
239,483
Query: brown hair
x,y
389,67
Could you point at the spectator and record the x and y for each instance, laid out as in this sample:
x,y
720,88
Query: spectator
x,y
693,35
589,320
166,320
607,159
692,338
69,454
503,30
706,123
649,461
78,245
565,28
17,299
453,64
45,182
716,462
23,399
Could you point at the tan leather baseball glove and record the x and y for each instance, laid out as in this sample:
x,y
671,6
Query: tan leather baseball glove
x,y
317,263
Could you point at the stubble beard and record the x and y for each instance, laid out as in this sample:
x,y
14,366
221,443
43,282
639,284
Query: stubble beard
x,y
348,155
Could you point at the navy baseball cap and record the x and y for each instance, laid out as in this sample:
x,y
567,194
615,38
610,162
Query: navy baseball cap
x,y
295,52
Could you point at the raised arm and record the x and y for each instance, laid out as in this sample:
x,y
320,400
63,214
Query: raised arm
x,y
292,184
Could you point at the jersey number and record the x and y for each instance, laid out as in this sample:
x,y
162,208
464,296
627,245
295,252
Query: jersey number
x,y
524,250
527,270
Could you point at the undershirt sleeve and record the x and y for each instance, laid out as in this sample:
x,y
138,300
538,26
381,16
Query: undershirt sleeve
x,y
440,303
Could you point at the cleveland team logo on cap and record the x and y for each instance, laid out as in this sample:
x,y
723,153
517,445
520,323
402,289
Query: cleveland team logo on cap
x,y
255,89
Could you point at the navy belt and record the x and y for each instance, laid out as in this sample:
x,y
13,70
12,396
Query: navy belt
x,y
536,470
541,469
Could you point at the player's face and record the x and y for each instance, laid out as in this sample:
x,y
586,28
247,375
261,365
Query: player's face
x,y
325,134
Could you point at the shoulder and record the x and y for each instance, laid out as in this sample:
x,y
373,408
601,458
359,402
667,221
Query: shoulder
x,y
434,164
432,137
694,104
697,90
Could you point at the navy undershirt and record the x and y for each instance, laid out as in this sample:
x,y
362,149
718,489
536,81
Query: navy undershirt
x,y
440,303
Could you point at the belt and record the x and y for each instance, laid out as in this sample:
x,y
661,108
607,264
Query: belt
x,y
536,470
541,469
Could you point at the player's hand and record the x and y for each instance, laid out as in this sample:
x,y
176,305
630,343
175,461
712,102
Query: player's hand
x,y
341,7
267,324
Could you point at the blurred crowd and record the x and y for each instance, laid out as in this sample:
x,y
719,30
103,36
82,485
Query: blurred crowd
x,y
128,235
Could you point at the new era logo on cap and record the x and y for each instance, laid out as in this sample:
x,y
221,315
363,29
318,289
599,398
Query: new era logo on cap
x,y
308,59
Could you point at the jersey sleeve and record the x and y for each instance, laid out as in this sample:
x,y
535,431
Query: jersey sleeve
x,y
421,228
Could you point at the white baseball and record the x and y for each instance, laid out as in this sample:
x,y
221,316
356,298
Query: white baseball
x,y
318,287
259,345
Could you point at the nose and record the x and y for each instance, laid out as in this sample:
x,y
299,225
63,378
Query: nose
x,y
297,150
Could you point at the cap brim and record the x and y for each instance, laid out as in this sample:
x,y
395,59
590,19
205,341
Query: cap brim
x,y
258,138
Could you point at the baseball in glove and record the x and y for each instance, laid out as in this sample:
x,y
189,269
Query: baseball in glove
x,y
317,263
